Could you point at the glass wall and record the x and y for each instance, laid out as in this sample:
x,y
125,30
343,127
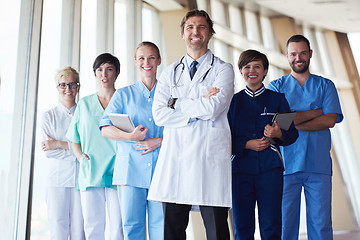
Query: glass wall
x,y
47,99
120,42
152,31
9,25
87,47
48,95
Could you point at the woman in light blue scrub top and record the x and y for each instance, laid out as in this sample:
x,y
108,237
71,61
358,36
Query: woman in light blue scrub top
x,y
137,151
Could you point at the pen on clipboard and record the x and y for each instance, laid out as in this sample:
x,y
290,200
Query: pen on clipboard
x,y
273,120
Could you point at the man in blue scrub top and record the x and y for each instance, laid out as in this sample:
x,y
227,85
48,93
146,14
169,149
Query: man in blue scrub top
x,y
308,162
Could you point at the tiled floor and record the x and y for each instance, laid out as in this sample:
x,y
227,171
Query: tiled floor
x,y
347,236
342,236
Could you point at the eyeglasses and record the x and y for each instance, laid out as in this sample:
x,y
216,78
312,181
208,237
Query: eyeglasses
x,y
71,85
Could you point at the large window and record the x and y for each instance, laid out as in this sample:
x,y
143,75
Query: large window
x,y
120,42
151,31
88,47
9,25
47,98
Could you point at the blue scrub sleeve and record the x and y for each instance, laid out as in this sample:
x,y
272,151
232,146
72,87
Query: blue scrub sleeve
x,y
114,106
331,103
274,86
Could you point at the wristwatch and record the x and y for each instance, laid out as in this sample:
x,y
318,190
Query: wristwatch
x,y
171,103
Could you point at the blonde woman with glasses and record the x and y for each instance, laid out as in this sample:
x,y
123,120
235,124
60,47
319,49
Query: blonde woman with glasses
x,y
62,198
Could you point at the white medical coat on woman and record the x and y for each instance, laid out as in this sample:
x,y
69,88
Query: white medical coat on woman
x,y
62,163
194,164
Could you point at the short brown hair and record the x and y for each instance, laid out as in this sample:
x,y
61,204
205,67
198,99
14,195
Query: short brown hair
x,y
106,58
250,56
197,13
298,38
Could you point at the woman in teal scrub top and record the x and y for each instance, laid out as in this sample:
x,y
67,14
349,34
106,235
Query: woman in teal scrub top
x,y
96,154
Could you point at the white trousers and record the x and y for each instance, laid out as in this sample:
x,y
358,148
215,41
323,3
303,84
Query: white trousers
x,y
95,201
64,213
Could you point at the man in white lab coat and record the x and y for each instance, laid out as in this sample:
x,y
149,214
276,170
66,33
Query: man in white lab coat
x,y
194,166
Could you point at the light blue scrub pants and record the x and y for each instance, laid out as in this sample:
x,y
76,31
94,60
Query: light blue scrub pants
x,y
133,204
317,189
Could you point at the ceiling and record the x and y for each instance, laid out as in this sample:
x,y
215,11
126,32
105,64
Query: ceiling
x,y
337,15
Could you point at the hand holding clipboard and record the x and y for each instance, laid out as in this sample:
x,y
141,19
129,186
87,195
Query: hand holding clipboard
x,y
283,120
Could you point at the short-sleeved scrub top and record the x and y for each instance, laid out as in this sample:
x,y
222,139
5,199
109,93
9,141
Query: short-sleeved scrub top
x,y
132,168
84,130
311,151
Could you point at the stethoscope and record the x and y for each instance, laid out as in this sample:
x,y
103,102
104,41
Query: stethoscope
x,y
182,64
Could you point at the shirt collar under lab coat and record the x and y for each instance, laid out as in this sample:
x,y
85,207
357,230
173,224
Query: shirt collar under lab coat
x,y
189,60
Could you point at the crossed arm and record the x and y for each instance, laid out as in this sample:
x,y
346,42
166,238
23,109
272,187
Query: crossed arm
x,y
51,144
52,147
314,120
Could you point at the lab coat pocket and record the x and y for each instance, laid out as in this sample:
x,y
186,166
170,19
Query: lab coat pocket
x,y
218,147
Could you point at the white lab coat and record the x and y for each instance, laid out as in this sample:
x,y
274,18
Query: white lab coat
x,y
62,166
62,199
194,165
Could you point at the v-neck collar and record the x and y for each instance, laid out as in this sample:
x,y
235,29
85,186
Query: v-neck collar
x,y
145,90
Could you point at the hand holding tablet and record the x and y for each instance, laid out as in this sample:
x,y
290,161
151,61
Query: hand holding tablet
x,y
122,121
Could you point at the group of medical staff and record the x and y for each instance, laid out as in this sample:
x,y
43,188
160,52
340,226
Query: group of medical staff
x,y
98,171
110,169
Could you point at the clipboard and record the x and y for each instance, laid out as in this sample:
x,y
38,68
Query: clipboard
x,y
122,121
284,119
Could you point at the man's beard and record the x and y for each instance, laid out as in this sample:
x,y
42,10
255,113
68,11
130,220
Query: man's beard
x,y
300,70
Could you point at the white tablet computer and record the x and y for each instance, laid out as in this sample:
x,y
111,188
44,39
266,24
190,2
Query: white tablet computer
x,y
122,121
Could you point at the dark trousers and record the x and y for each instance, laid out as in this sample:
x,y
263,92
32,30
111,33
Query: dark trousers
x,y
265,189
176,219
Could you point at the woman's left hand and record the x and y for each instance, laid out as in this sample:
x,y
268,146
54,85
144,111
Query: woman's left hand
x,y
273,131
148,145
49,144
